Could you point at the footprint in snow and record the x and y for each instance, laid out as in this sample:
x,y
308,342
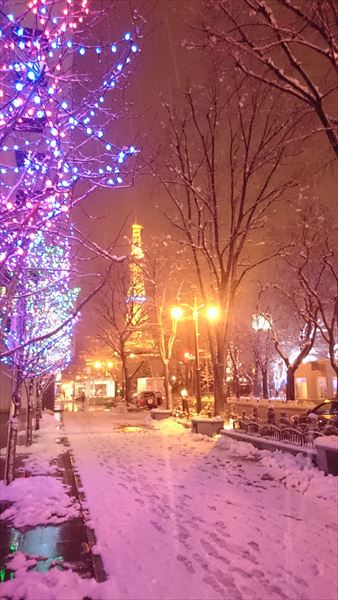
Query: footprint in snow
x,y
157,526
228,582
209,580
242,572
218,540
203,563
254,545
123,485
187,563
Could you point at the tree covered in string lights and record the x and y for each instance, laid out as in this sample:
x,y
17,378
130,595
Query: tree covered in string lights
x,y
56,117
44,303
46,298
59,105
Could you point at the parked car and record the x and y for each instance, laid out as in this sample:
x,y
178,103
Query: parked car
x,y
149,399
325,413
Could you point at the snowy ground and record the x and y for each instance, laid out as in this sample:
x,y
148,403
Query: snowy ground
x,y
178,516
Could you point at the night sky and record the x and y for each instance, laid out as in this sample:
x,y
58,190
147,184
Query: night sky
x,y
164,67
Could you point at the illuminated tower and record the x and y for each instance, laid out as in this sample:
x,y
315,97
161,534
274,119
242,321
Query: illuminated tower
x,y
136,292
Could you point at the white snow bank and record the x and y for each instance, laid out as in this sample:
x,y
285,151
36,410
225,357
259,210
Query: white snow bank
x,y
236,448
40,499
56,584
298,473
121,408
40,456
168,426
199,437
294,472
37,501
328,441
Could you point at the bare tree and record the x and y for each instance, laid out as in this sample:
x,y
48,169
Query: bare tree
x,y
292,310
122,322
289,45
262,346
314,264
52,155
225,172
164,275
294,344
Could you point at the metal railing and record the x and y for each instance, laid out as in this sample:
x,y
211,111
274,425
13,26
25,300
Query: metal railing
x,y
282,433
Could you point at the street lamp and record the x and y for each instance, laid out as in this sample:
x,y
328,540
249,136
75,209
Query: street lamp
x,y
176,313
212,313
197,359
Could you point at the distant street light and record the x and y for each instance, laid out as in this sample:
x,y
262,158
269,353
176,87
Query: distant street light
x,y
212,313
176,313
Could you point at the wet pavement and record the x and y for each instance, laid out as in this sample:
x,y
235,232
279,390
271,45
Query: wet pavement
x,y
66,545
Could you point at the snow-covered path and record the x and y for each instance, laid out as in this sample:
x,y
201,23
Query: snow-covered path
x,y
178,516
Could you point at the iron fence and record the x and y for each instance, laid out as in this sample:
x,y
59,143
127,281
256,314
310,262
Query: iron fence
x,y
282,433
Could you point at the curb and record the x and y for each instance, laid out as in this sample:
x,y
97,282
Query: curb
x,y
99,571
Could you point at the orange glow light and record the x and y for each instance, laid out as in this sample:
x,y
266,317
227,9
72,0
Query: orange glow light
x,y
212,313
176,312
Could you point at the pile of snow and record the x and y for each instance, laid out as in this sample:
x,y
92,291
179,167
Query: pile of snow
x,y
238,449
45,447
55,584
294,472
26,494
202,437
120,409
169,426
29,510
328,441
40,456
298,473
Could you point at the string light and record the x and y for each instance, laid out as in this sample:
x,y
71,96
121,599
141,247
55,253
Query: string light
x,y
40,163
46,301
36,102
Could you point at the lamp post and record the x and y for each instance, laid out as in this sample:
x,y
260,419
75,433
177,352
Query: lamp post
x,y
212,314
197,361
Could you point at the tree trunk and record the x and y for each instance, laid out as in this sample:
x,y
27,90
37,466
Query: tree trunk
x,y
29,416
127,382
290,383
38,412
167,388
38,406
335,368
265,384
236,386
255,381
13,434
219,395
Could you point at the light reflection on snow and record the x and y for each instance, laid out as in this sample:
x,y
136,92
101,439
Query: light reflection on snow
x,y
129,428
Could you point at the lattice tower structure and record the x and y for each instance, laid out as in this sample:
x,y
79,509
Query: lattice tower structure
x,y
137,291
